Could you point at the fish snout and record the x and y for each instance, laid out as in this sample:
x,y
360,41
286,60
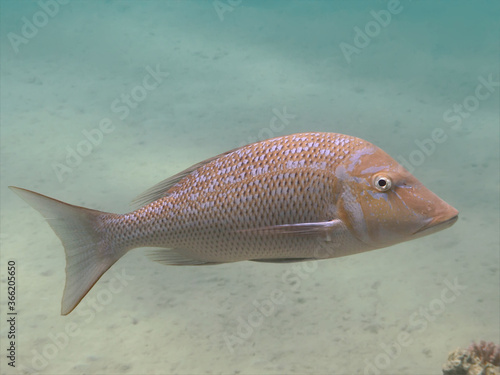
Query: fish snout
x,y
442,217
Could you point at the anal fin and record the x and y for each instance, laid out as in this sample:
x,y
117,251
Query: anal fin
x,y
282,260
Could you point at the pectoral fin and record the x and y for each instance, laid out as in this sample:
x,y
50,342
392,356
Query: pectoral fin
x,y
298,229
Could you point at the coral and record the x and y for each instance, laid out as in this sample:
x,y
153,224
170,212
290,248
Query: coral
x,y
477,359
487,352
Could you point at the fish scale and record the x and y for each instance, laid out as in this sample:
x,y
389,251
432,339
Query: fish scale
x,y
232,194
292,198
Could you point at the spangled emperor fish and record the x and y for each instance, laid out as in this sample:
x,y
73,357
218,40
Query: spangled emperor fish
x,y
293,198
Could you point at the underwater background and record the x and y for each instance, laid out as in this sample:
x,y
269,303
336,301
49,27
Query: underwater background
x,y
100,100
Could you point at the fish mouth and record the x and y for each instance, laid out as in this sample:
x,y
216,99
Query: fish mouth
x,y
437,224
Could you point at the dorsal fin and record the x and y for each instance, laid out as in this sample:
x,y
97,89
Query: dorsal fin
x,y
163,188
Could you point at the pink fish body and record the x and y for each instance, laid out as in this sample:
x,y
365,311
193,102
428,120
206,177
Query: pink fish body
x,y
298,197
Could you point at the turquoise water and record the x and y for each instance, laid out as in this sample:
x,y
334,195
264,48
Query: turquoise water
x,y
100,100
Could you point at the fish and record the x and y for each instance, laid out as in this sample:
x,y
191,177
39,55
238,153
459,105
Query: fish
x,y
293,198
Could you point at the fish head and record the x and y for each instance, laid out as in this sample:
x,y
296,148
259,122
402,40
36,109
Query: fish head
x,y
383,204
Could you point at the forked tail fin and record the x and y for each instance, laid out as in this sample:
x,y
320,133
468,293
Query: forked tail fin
x,y
88,253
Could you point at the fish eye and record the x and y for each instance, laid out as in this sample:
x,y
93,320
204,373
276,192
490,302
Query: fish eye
x,y
382,183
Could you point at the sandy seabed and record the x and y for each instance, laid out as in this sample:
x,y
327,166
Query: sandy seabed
x,y
220,84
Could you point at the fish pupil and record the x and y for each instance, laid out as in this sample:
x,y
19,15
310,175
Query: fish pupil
x,y
381,183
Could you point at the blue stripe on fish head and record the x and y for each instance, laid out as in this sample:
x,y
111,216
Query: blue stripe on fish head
x,y
383,215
